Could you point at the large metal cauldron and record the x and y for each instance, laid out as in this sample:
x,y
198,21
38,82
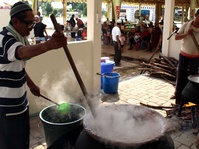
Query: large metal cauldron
x,y
124,127
191,91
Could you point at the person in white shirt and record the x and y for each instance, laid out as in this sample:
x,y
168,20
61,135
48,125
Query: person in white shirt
x,y
189,55
116,33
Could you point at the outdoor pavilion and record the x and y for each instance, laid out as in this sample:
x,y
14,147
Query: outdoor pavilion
x,y
92,51
159,4
115,5
168,46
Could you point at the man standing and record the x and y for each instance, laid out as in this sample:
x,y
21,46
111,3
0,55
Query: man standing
x,y
189,54
72,25
80,23
14,51
116,33
40,29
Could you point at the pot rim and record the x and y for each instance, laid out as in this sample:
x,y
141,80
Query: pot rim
x,y
127,144
59,124
192,78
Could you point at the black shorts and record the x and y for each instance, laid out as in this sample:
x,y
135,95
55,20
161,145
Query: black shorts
x,y
15,131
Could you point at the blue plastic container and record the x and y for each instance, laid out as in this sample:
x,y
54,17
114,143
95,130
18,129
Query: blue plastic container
x,y
106,66
110,83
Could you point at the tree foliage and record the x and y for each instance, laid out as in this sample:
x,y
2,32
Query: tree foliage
x,y
79,7
48,9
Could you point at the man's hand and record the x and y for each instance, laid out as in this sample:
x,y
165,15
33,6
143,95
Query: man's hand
x,y
119,46
190,31
58,40
35,90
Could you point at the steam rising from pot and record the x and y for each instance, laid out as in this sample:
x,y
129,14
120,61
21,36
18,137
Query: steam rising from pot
x,y
125,124
65,88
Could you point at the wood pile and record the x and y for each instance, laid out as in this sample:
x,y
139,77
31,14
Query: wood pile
x,y
162,67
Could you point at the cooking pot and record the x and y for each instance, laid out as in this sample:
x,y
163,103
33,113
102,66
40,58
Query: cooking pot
x,y
58,126
191,91
125,126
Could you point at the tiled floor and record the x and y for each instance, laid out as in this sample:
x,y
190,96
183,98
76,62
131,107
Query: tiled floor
x,y
138,89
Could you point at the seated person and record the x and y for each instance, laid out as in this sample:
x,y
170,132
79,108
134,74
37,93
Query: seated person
x,y
84,34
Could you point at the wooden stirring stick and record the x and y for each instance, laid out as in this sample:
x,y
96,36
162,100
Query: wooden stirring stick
x,y
81,84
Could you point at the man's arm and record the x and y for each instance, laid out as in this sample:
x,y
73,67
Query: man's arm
x,y
118,42
58,40
180,36
35,90
46,34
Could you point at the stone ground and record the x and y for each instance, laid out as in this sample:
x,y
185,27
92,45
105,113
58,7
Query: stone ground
x,y
134,89
129,67
130,61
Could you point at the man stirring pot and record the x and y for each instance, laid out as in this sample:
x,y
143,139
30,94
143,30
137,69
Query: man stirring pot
x,y
14,51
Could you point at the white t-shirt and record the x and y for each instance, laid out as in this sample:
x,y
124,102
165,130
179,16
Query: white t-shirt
x,y
116,31
188,46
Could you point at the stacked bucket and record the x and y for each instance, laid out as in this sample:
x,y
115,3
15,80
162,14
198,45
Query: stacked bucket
x,y
110,79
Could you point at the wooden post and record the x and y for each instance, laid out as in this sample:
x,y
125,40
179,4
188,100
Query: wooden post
x,y
64,11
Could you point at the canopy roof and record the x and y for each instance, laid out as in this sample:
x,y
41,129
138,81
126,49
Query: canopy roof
x,y
150,2
78,1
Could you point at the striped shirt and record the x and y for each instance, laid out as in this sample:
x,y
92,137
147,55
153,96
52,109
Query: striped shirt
x,y
13,99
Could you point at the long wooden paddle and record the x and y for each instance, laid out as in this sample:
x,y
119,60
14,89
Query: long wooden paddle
x,y
81,84
195,41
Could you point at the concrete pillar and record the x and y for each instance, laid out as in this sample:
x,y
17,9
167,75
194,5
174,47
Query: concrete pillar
x,y
116,8
182,19
140,7
64,2
157,12
112,10
192,9
168,26
34,6
109,10
94,35
186,14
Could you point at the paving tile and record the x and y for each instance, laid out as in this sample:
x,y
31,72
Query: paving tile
x,y
185,140
137,89
38,147
193,147
33,140
177,144
183,147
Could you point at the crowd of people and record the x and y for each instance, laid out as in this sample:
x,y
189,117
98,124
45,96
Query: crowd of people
x,y
77,28
149,37
142,36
